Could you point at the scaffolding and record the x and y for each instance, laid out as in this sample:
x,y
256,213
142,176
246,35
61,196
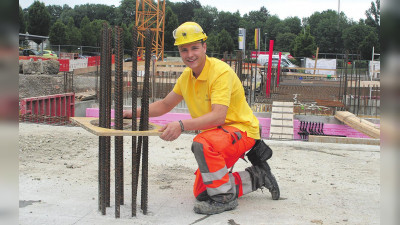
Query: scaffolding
x,y
151,16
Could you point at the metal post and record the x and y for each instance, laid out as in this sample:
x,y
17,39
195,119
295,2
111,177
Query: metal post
x,y
265,42
135,155
145,121
119,158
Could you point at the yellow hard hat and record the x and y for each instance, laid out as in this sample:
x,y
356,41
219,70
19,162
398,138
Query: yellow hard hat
x,y
188,32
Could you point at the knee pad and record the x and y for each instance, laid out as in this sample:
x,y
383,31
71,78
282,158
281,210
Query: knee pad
x,y
259,153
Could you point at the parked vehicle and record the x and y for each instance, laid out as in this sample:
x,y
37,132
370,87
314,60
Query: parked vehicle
x,y
49,54
285,62
28,52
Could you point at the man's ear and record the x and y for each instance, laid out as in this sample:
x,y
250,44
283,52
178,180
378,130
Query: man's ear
x,y
205,46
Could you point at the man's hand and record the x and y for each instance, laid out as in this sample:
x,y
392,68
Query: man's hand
x,y
171,131
127,114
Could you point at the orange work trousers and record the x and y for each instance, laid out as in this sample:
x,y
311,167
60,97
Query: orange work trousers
x,y
216,151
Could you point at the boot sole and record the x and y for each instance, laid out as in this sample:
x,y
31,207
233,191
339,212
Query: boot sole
x,y
201,208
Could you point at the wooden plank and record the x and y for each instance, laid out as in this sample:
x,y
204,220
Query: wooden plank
x,y
316,59
308,75
86,123
365,83
282,104
281,116
281,136
170,69
161,63
343,140
359,124
85,70
282,123
329,103
282,130
303,68
282,109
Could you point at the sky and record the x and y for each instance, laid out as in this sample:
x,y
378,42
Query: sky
x,y
354,9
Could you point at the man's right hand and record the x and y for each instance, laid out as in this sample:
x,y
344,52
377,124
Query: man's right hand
x,y
127,114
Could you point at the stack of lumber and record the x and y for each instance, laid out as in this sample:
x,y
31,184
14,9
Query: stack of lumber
x,y
361,125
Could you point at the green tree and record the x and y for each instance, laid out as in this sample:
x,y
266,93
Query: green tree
x,y
66,13
93,12
21,20
255,19
39,20
360,38
97,26
327,29
127,36
87,33
225,42
126,12
55,13
73,34
373,15
171,23
57,35
212,44
293,24
206,17
371,40
230,23
284,42
185,10
304,44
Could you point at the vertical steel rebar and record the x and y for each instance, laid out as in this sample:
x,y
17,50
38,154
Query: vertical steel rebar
x,y
145,111
135,155
108,115
102,120
118,107
359,90
345,80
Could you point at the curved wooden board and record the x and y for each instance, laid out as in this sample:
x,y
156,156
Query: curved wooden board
x,y
86,123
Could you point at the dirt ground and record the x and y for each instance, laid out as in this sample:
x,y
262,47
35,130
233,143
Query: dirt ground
x,y
320,183
33,85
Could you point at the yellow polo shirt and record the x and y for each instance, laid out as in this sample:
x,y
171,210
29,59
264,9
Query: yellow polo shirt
x,y
217,84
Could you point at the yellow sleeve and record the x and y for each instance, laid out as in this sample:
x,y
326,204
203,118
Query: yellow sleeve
x,y
177,88
221,89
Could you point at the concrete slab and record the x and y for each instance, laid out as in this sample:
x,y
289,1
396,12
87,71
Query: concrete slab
x,y
344,140
320,183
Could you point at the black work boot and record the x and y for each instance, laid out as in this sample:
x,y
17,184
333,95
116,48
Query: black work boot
x,y
260,172
203,196
210,206
261,176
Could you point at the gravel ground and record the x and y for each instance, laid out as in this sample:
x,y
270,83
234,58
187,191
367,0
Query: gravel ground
x,y
320,183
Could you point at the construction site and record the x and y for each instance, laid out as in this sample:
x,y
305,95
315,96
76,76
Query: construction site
x,y
81,162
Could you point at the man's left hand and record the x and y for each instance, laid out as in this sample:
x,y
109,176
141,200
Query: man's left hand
x,y
171,131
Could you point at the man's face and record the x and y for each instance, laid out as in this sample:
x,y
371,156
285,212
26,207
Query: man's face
x,y
194,55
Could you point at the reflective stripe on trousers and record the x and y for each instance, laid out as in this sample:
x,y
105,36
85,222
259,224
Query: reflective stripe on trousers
x,y
216,151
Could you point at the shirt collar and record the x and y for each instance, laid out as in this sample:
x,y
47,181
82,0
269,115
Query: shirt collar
x,y
204,72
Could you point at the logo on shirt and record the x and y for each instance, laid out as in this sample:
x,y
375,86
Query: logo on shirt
x,y
207,98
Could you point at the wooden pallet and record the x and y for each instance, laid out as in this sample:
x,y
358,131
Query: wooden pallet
x,y
281,120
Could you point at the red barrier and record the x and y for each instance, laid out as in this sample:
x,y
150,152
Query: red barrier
x,y
48,109
91,61
35,58
64,65
268,86
94,61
